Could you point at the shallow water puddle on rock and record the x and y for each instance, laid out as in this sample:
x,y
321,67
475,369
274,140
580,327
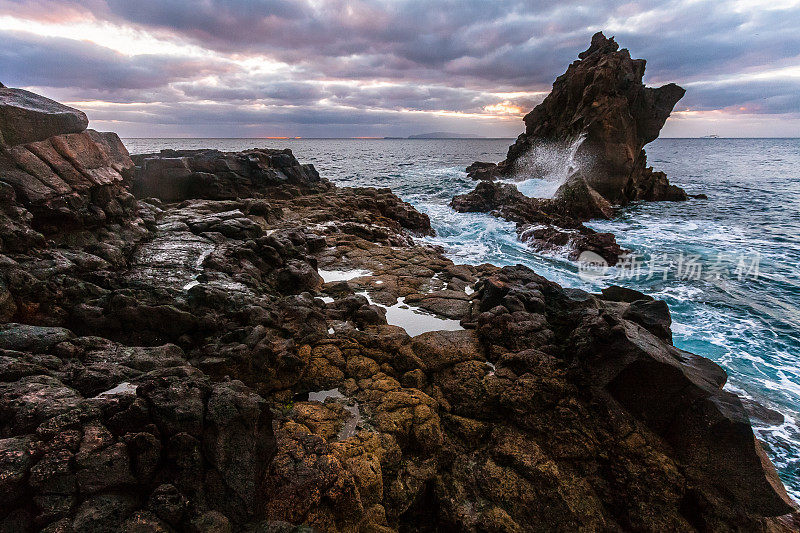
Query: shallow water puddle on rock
x,y
351,406
122,388
322,395
414,320
329,276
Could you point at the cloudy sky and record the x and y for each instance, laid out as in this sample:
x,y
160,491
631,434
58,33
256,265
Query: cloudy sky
x,y
322,68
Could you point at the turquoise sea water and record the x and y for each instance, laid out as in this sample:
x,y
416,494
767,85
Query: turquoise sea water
x,y
727,266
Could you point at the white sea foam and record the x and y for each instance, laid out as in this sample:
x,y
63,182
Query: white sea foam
x,y
546,167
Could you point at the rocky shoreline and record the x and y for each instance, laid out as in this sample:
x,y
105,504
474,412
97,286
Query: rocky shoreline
x,y
228,349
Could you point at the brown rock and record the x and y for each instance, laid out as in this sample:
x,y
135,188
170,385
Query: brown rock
x,y
600,110
27,117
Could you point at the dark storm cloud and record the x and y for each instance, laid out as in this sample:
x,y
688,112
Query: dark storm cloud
x,y
507,42
411,97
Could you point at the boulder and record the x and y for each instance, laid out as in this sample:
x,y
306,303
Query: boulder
x,y
36,339
480,170
679,396
71,180
584,202
653,315
615,293
175,175
28,117
546,224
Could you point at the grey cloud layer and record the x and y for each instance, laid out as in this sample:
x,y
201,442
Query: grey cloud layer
x,y
436,55
57,62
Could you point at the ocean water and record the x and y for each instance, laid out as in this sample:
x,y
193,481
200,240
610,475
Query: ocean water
x,y
727,266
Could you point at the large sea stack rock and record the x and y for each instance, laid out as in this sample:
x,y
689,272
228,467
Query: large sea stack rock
x,y
589,134
64,175
600,114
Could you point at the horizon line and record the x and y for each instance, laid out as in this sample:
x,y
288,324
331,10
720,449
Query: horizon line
x,y
389,138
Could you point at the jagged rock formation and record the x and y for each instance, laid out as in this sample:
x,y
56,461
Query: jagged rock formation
x,y
602,98
66,176
601,104
594,123
185,367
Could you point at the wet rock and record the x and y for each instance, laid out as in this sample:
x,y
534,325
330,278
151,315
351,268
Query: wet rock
x,y
239,443
615,293
168,504
71,180
102,469
653,315
16,458
685,404
37,339
144,522
104,513
582,201
547,225
211,522
156,375
762,415
440,349
26,403
482,171
27,117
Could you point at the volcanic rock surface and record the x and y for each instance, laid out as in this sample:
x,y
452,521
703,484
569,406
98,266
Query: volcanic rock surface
x,y
223,362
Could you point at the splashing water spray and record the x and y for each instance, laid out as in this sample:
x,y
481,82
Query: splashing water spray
x,y
546,166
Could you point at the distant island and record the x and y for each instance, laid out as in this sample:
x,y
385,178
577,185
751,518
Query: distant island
x,y
445,135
